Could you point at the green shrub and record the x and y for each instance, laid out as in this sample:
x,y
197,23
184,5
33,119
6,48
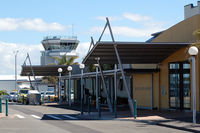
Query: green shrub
x,y
3,92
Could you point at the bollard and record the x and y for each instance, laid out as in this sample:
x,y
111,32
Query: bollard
x,y
135,109
99,106
48,98
22,99
0,105
89,102
115,109
6,107
43,99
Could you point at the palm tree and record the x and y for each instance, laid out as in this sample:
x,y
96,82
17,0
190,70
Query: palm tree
x,y
64,60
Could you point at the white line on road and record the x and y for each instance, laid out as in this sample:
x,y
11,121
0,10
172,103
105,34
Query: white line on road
x,y
20,116
35,116
54,117
70,117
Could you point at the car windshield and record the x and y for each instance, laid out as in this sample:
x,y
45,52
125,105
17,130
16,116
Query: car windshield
x,y
50,93
12,93
41,92
24,91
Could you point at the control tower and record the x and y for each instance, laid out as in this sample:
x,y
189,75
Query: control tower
x,y
57,46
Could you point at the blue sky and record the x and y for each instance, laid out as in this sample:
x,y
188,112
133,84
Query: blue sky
x,y
24,23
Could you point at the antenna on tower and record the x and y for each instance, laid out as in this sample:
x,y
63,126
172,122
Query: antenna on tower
x,y
72,29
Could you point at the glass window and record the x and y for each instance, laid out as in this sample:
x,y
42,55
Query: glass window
x,y
186,66
174,66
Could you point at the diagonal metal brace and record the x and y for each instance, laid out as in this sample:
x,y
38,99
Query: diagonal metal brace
x,y
104,85
130,101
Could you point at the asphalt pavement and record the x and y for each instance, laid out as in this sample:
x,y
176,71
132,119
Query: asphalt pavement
x,y
32,119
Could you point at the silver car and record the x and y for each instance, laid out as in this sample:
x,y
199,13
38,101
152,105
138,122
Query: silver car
x,y
13,96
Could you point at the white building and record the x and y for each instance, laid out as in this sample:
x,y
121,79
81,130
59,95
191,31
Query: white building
x,y
7,83
57,46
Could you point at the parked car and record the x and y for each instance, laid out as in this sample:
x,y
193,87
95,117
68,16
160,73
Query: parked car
x,y
33,97
50,96
23,93
13,96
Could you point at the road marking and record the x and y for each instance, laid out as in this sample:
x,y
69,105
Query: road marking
x,y
54,117
35,116
20,116
70,117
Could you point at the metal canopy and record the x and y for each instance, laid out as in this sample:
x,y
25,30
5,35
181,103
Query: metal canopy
x,y
47,70
132,52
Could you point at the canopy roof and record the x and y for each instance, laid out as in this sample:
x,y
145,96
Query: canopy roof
x,y
47,70
132,52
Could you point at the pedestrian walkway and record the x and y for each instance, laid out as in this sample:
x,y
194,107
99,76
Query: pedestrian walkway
x,y
167,118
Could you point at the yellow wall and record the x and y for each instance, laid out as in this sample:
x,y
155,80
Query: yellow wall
x,y
178,56
181,32
142,89
156,90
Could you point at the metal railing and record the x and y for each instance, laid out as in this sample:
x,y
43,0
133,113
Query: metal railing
x,y
59,37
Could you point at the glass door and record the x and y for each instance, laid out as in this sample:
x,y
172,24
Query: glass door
x,y
179,85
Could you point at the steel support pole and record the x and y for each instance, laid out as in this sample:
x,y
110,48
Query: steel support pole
x,y
32,72
115,86
111,90
59,85
130,101
81,91
104,85
152,91
97,90
69,91
0,105
194,89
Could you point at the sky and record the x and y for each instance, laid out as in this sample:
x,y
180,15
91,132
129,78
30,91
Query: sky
x,y
24,24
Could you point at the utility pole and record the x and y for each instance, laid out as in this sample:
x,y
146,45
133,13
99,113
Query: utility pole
x,y
16,52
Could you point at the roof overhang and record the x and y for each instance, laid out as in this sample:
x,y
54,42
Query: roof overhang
x,y
132,52
46,70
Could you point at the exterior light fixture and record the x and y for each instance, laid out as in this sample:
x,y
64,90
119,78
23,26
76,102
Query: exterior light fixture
x,y
82,66
69,68
60,71
193,51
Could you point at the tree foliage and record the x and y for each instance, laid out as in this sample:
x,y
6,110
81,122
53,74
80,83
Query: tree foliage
x,y
64,60
3,92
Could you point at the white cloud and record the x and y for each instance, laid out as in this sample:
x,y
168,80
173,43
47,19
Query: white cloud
x,y
128,31
37,24
143,26
8,59
136,17
7,24
82,50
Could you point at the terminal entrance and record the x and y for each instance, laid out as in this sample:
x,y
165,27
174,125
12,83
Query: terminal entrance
x,y
179,85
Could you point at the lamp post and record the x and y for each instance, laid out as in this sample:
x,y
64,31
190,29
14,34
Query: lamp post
x,y
193,51
97,90
16,52
69,68
82,66
59,84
